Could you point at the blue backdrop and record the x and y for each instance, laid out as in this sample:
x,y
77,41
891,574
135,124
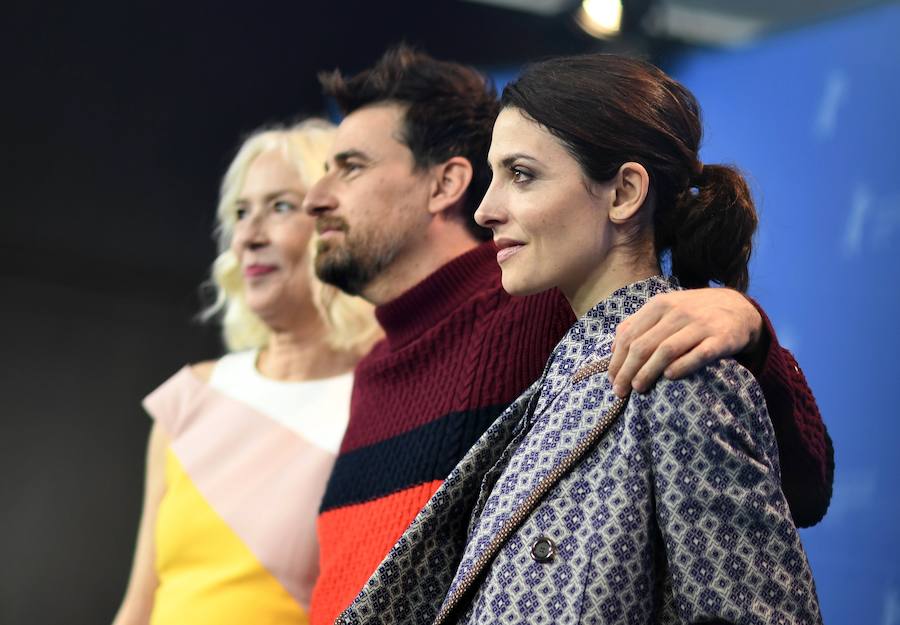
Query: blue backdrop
x,y
811,117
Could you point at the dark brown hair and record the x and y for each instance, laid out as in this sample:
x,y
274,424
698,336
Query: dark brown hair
x,y
608,110
450,111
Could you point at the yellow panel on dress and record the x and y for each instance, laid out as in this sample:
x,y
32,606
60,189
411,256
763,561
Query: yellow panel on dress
x,y
207,574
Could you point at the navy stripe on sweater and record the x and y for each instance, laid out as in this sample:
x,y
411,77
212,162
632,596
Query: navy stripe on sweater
x,y
421,455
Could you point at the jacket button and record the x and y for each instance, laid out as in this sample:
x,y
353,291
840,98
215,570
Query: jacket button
x,y
543,549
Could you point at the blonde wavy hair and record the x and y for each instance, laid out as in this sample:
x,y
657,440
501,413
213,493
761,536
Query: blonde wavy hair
x,y
350,320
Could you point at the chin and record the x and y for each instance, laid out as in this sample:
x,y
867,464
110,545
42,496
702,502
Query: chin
x,y
257,307
260,300
521,285
323,247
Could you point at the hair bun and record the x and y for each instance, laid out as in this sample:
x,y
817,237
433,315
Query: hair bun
x,y
711,230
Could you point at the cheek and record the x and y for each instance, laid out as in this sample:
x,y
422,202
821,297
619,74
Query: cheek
x,y
550,232
570,222
290,245
297,254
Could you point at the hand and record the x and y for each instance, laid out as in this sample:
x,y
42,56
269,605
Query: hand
x,y
678,333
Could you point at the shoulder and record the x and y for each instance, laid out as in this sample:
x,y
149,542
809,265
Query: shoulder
x,y
174,400
204,370
721,394
714,413
707,433
231,366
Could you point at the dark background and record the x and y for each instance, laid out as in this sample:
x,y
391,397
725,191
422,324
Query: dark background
x,y
117,121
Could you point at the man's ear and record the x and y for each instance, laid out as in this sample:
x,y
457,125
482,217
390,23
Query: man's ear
x,y
450,182
630,187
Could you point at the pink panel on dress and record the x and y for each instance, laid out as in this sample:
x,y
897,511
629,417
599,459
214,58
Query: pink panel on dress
x,y
263,479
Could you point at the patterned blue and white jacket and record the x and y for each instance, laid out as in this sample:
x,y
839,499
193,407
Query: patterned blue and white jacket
x,y
578,507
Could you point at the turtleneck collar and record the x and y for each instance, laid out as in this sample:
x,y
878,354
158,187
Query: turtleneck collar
x,y
433,299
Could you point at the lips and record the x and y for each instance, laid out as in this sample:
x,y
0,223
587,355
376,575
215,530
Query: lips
x,y
328,234
256,270
506,248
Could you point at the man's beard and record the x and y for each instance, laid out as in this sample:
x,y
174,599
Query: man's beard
x,y
352,265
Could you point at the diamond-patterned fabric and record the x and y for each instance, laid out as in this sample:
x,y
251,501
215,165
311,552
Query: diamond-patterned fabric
x,y
676,516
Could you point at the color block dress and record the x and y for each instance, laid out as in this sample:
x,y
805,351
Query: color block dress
x,y
246,468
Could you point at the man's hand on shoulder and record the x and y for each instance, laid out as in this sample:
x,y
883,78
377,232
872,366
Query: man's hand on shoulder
x,y
675,334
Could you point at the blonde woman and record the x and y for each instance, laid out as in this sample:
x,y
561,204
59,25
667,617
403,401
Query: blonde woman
x,y
242,447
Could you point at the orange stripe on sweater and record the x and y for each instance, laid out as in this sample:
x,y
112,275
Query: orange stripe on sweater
x,y
365,534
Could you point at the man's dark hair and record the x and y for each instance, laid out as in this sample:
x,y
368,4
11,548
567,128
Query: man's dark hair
x,y
450,111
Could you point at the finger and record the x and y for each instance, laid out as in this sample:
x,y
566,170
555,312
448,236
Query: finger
x,y
668,350
619,351
639,352
705,352
636,325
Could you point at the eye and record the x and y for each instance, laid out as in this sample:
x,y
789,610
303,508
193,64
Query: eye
x,y
240,212
283,206
521,176
350,167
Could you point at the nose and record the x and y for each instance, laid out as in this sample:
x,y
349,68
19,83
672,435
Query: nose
x,y
490,213
250,232
319,199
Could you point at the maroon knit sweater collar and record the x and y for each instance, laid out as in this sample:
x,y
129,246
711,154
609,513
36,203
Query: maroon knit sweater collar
x,y
434,298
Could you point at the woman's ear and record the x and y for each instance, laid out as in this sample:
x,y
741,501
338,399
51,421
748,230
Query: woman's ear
x,y
631,185
451,180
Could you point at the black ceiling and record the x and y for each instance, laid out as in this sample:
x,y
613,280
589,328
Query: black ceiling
x,y
120,117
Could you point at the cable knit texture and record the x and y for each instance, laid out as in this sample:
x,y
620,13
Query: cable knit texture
x,y
457,351
806,453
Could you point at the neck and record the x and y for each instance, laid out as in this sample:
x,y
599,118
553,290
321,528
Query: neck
x,y
611,275
300,351
442,242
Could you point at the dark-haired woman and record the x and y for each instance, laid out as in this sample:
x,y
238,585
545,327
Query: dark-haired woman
x,y
577,506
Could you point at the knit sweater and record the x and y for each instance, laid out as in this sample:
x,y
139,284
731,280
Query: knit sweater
x,y
457,350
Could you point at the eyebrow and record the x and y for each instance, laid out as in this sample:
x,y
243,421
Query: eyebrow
x,y
342,157
518,156
507,161
268,197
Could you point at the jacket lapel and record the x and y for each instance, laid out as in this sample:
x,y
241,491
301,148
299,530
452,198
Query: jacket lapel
x,y
558,440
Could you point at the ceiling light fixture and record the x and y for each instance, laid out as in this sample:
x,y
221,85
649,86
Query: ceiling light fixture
x,y
600,18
